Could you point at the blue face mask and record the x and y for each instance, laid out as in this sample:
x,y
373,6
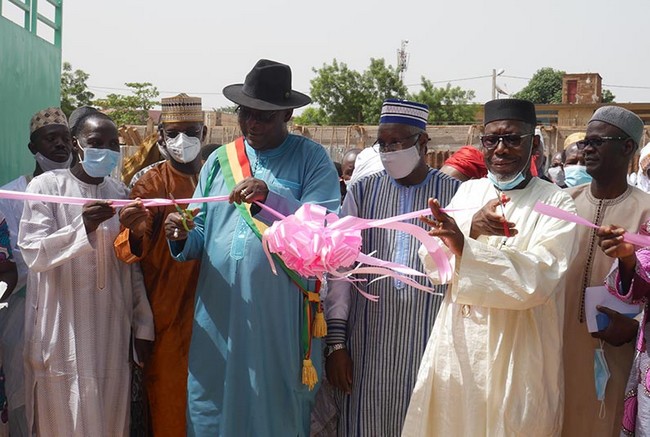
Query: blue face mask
x,y
601,376
99,163
576,175
506,185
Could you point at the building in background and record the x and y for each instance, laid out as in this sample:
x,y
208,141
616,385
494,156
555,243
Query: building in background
x,y
30,72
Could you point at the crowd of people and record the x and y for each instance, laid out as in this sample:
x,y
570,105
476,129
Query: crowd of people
x,y
178,306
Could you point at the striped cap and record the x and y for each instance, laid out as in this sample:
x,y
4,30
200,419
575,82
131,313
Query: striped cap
x,y
404,112
181,108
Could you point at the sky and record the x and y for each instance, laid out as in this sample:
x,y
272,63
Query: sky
x,y
198,47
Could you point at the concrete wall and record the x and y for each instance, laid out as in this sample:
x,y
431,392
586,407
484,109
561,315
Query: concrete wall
x,y
30,80
589,88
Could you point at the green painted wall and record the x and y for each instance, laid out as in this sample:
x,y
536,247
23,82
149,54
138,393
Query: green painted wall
x,y
30,80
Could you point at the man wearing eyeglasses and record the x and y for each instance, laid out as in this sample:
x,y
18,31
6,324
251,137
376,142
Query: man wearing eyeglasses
x,y
374,348
611,141
246,354
492,366
170,285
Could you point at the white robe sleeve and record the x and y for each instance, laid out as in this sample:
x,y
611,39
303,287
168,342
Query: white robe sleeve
x,y
143,325
514,277
43,244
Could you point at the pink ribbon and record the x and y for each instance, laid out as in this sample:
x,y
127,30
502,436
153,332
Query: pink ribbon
x,y
311,241
16,195
552,211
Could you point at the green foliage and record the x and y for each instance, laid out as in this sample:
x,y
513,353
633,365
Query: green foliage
x,y
447,105
74,91
312,115
347,96
544,87
608,96
230,109
380,82
131,109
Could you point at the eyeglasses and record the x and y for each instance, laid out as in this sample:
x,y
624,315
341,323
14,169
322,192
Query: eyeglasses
x,y
245,113
510,140
395,145
189,132
597,141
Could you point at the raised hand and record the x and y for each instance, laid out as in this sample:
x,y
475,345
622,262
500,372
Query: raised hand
x,y
249,190
94,213
489,221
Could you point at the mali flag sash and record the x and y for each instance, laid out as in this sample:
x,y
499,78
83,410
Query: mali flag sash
x,y
235,167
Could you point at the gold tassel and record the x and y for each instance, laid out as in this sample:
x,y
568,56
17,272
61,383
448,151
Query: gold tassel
x,y
319,327
309,375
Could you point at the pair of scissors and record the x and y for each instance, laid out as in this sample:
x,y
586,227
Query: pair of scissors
x,y
186,214
502,202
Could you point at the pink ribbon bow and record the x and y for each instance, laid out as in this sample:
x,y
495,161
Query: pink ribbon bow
x,y
313,242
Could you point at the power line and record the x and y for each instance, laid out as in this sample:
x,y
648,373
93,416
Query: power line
x,y
452,80
516,77
162,91
628,86
634,87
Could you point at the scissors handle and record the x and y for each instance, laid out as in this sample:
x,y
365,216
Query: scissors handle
x,y
185,214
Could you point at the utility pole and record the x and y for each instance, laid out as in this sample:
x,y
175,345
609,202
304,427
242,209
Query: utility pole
x,y
495,89
402,59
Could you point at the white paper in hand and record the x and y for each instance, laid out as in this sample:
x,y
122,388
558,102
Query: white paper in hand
x,y
3,288
594,296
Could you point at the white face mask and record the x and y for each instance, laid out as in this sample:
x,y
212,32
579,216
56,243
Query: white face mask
x,y
183,148
46,164
557,175
400,163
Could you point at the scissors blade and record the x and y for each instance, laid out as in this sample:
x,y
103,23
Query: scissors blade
x,y
176,205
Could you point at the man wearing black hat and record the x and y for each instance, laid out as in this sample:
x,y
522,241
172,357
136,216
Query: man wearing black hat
x,y
493,365
246,355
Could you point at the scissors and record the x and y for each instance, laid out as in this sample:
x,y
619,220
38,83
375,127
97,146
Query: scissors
x,y
186,214
506,229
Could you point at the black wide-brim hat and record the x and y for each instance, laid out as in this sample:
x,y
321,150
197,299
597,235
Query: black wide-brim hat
x,y
267,88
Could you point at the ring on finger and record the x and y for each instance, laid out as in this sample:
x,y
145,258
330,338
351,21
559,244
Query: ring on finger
x,y
244,192
175,232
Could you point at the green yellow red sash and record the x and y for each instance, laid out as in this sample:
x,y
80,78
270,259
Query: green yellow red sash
x,y
235,167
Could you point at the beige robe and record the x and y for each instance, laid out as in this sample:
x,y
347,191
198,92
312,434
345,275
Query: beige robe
x,y
492,366
590,267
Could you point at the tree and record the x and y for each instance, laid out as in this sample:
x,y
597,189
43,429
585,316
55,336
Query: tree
x,y
544,87
74,91
312,116
229,109
447,105
380,82
347,96
608,96
131,109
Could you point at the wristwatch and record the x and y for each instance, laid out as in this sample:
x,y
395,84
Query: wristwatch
x,y
330,349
